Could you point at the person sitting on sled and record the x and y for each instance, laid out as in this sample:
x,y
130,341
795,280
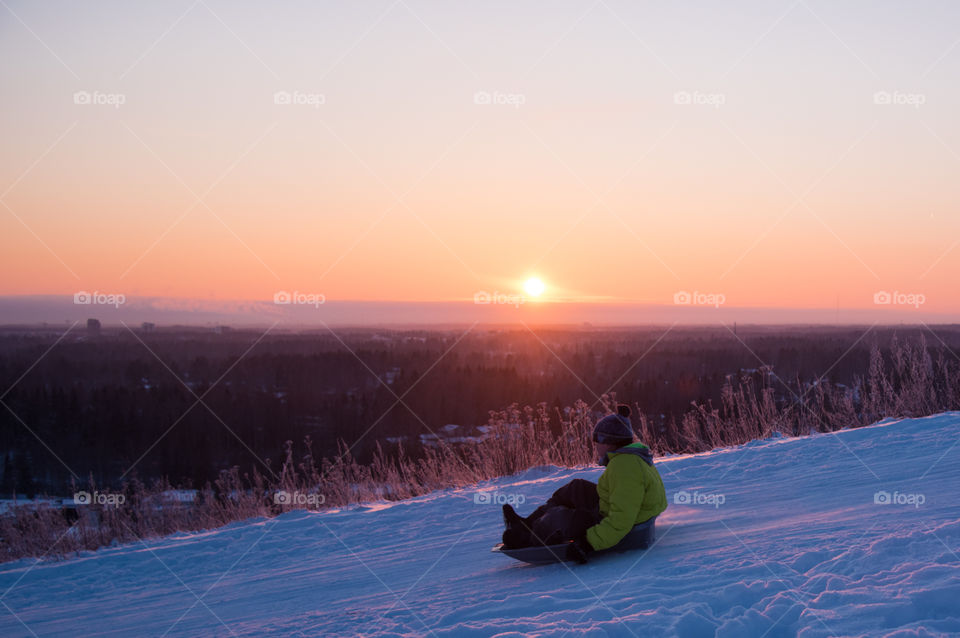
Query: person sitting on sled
x,y
594,516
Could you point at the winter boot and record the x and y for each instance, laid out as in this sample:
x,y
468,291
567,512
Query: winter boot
x,y
517,533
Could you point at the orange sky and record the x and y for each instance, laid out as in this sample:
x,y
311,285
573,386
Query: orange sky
x,y
588,168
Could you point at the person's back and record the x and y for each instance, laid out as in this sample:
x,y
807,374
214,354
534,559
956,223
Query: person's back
x,y
631,492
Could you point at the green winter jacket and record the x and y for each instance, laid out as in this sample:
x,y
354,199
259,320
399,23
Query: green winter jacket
x,y
631,491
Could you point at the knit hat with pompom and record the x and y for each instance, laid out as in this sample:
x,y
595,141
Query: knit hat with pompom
x,y
614,429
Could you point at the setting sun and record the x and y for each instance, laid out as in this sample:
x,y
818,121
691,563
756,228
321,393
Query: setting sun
x,y
534,287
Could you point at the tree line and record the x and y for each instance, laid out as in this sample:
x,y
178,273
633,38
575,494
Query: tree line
x,y
183,404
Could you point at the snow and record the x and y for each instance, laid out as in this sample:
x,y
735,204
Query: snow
x,y
799,546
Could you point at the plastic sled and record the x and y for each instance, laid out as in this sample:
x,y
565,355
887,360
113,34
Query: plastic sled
x,y
640,537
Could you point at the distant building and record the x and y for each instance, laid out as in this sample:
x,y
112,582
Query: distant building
x,y
147,326
93,327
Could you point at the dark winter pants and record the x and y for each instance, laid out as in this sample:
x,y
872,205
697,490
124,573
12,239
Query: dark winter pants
x,y
568,514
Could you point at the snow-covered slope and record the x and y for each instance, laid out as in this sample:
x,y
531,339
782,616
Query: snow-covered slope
x,y
777,538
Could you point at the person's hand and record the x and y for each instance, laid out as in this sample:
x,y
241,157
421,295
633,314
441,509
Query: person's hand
x,y
579,549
